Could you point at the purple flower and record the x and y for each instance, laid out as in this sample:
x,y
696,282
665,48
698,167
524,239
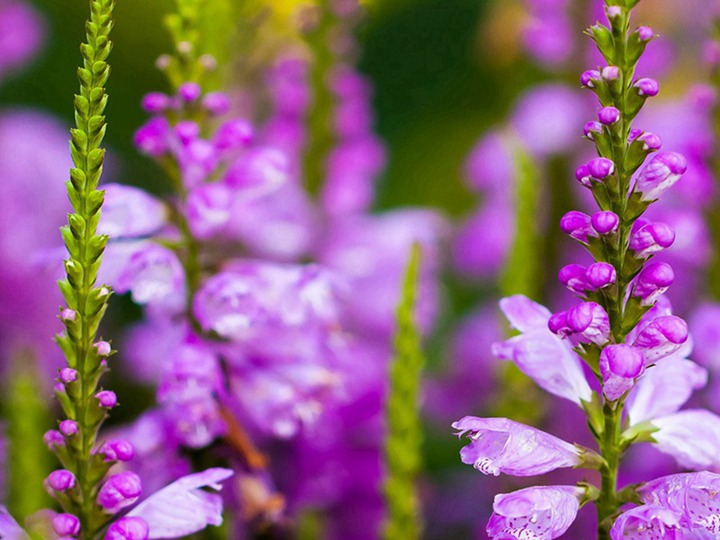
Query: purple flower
x,y
573,276
68,427
590,78
155,102
129,212
659,174
481,244
647,522
541,355
259,172
650,238
189,91
665,388
182,508
600,168
65,525
233,135
608,115
208,208
647,87
500,445
106,399
587,322
661,337
600,275
9,528
490,168
691,436
61,480
542,512
620,365
152,138
653,280
577,225
216,103
21,35
117,450
119,491
128,528
605,222
153,275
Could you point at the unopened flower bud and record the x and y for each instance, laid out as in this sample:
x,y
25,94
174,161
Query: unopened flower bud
x,y
184,47
647,87
128,528
61,480
103,348
601,274
600,168
572,276
68,375
605,222
117,450
652,282
557,323
53,438
610,73
592,128
590,78
582,175
187,131
67,315
651,141
66,525
613,12
661,337
589,323
659,174
68,427
645,33
155,102
233,135
189,92
651,238
577,225
608,115
107,398
216,103
119,491
208,61
620,365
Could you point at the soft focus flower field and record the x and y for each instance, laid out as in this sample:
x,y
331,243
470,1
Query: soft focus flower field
x,y
360,269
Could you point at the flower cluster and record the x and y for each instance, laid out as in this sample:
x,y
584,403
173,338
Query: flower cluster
x,y
622,331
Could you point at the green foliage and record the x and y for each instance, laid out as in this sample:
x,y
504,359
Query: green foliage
x,y
80,291
404,438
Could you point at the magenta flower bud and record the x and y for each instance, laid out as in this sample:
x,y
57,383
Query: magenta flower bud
x,y
613,11
66,525
53,438
67,315
651,141
640,521
151,139
117,450
645,33
661,337
155,102
600,168
608,115
620,365
590,78
588,323
103,348
605,222
647,87
68,375
652,282
189,91
582,175
68,427
233,135
216,103
659,174
634,134
187,131
651,238
577,225
600,274
128,528
119,491
61,480
542,512
591,128
557,323
572,276
610,73
107,398
500,445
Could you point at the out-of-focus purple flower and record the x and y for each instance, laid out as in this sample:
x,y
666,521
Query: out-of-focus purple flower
x,y
646,523
705,325
659,174
665,388
128,528
208,208
620,365
119,491
258,172
661,337
653,281
152,138
183,508
536,512
548,38
503,446
650,238
9,528
691,437
490,168
21,35
481,245
129,212
541,355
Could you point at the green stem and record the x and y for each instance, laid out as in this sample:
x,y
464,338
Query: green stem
x,y
607,502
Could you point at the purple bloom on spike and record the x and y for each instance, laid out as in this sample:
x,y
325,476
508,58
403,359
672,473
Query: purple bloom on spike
x,y
183,508
67,315
61,480
652,282
208,208
117,450
128,528
647,87
155,102
608,115
119,491
585,323
503,446
68,375
651,141
605,222
53,438
600,168
659,174
259,172
650,238
152,138
661,337
582,175
233,135
66,525
189,91
645,33
620,365
647,522
216,103
542,356
601,274
592,128
691,436
68,427
577,225
129,212
187,131
106,398
572,276
103,348
590,78
539,512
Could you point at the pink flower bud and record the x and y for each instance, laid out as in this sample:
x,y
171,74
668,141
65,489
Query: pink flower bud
x,y
155,102
652,282
107,398
577,225
620,365
605,222
572,276
189,91
592,128
128,528
647,87
590,78
216,103
103,348
187,131
600,274
67,315
600,168
61,480
651,238
119,491
610,73
68,375
608,115
645,33
66,525
117,450
660,172
651,141
53,438
68,427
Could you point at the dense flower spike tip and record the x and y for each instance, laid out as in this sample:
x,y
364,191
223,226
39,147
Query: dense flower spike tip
x,y
620,365
542,512
660,173
500,445
648,522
